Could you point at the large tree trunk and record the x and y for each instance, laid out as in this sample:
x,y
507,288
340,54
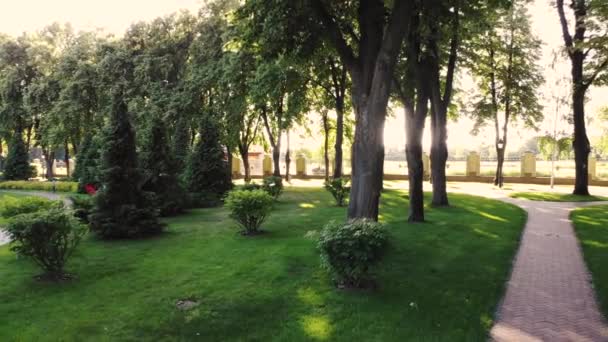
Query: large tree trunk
x,y
439,157
339,138
414,127
287,159
368,157
581,143
326,145
500,156
246,167
49,158
66,159
276,156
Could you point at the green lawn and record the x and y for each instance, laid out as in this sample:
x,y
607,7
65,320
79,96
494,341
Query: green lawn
x,y
442,280
556,197
591,226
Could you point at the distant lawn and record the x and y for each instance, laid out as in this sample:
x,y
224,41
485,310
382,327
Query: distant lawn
x,y
442,280
556,197
591,226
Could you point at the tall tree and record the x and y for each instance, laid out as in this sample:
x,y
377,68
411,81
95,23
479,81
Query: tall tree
x,y
208,170
369,57
122,210
505,64
585,41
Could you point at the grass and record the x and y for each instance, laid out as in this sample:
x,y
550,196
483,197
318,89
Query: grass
x,y
556,197
441,280
591,226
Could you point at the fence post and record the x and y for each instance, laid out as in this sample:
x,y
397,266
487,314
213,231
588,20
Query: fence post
x,y
236,167
301,166
473,164
528,164
592,161
426,166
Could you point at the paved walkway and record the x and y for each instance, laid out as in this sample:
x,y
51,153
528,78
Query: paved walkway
x,y
549,296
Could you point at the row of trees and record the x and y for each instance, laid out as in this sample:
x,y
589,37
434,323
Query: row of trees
x,y
255,69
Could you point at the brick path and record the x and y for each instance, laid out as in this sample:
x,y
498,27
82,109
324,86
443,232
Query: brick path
x,y
549,296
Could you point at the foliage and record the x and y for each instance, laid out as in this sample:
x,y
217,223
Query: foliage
x,y
273,185
350,250
40,186
83,206
122,209
251,186
87,165
548,145
12,207
17,165
249,208
48,237
208,169
159,168
339,189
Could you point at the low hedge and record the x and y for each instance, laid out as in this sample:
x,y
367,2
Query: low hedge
x,y
40,186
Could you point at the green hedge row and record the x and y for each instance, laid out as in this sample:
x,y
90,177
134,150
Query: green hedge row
x,y
40,186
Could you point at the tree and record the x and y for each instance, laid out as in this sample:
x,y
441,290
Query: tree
x,y
17,165
412,89
505,66
159,169
585,45
370,58
208,170
87,167
122,209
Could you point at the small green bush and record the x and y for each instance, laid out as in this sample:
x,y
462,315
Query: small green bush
x,y
48,237
249,208
83,206
349,250
251,186
273,185
14,206
39,186
338,187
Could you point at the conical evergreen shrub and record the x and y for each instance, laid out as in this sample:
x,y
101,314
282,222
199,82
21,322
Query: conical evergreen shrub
x,y
17,165
122,209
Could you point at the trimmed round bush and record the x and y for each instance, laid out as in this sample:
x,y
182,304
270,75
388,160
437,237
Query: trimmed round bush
x,y
249,208
350,250
48,237
339,189
273,185
14,206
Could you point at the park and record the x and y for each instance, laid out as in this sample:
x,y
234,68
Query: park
x,y
255,170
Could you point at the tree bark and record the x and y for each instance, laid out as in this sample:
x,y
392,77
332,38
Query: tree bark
x,y
287,159
580,143
439,157
414,127
338,169
49,158
66,159
371,72
326,145
500,156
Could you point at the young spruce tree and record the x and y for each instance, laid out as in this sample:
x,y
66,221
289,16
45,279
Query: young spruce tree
x,y
87,164
122,209
208,170
17,164
160,170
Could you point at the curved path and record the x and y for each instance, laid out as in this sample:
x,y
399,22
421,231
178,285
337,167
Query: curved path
x,y
549,296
